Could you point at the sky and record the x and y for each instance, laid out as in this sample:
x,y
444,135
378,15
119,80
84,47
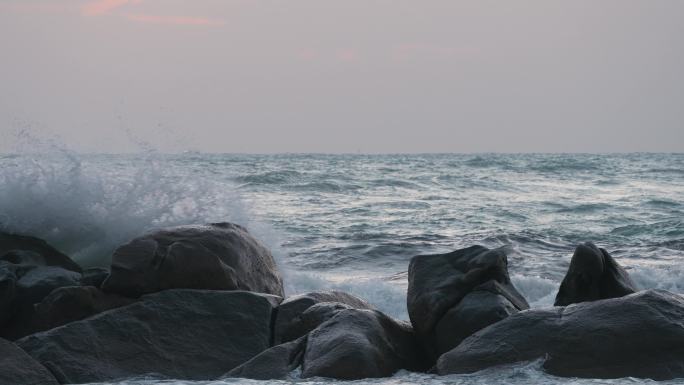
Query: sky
x,y
371,76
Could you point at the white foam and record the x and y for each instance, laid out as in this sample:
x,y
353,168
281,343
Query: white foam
x,y
387,297
669,278
87,206
518,374
539,292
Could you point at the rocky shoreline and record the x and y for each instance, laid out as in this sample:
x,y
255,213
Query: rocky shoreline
x,y
206,302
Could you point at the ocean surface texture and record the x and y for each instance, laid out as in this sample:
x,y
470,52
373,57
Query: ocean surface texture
x,y
352,222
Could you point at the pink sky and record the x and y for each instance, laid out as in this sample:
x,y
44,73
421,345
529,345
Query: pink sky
x,y
102,7
348,75
108,7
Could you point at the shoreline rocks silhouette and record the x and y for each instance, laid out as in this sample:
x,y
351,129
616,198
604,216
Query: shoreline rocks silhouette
x,y
593,274
217,256
211,297
639,335
453,295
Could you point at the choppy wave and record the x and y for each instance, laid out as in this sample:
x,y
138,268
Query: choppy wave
x,y
353,222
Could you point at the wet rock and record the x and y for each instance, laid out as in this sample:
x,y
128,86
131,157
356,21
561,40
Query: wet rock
x,y
289,324
485,305
18,368
220,256
8,291
593,274
272,364
180,334
22,249
639,335
359,344
73,303
94,276
40,281
318,314
452,295
32,285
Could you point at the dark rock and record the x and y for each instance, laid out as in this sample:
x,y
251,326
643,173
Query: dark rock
x,y
23,257
21,249
18,368
639,335
359,344
220,256
40,281
593,274
8,291
439,283
180,334
289,325
483,306
94,276
73,303
272,364
33,284
313,317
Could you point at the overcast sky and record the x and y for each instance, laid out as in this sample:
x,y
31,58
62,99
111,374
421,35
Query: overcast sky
x,y
344,75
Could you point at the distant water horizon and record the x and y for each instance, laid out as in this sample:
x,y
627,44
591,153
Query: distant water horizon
x,y
353,221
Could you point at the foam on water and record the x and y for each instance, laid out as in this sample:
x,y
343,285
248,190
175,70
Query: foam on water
x,y
519,374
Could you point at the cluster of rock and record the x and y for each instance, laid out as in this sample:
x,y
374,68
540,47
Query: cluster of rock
x,y
206,302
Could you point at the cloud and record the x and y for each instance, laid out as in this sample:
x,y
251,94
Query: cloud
x,y
347,55
34,7
175,20
102,7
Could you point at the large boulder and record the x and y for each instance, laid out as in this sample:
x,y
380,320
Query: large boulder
x,y
219,256
639,335
73,303
18,368
22,249
289,324
593,274
33,284
358,344
450,296
273,364
180,334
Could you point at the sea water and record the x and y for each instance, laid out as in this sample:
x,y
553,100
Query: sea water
x,y
352,222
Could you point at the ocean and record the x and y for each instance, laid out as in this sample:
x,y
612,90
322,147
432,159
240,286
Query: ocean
x,y
352,222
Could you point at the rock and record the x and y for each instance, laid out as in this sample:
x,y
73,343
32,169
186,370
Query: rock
x,y
219,256
8,291
272,364
289,325
94,276
639,335
179,334
593,274
439,284
315,316
483,306
33,284
18,368
358,344
21,249
40,281
73,303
